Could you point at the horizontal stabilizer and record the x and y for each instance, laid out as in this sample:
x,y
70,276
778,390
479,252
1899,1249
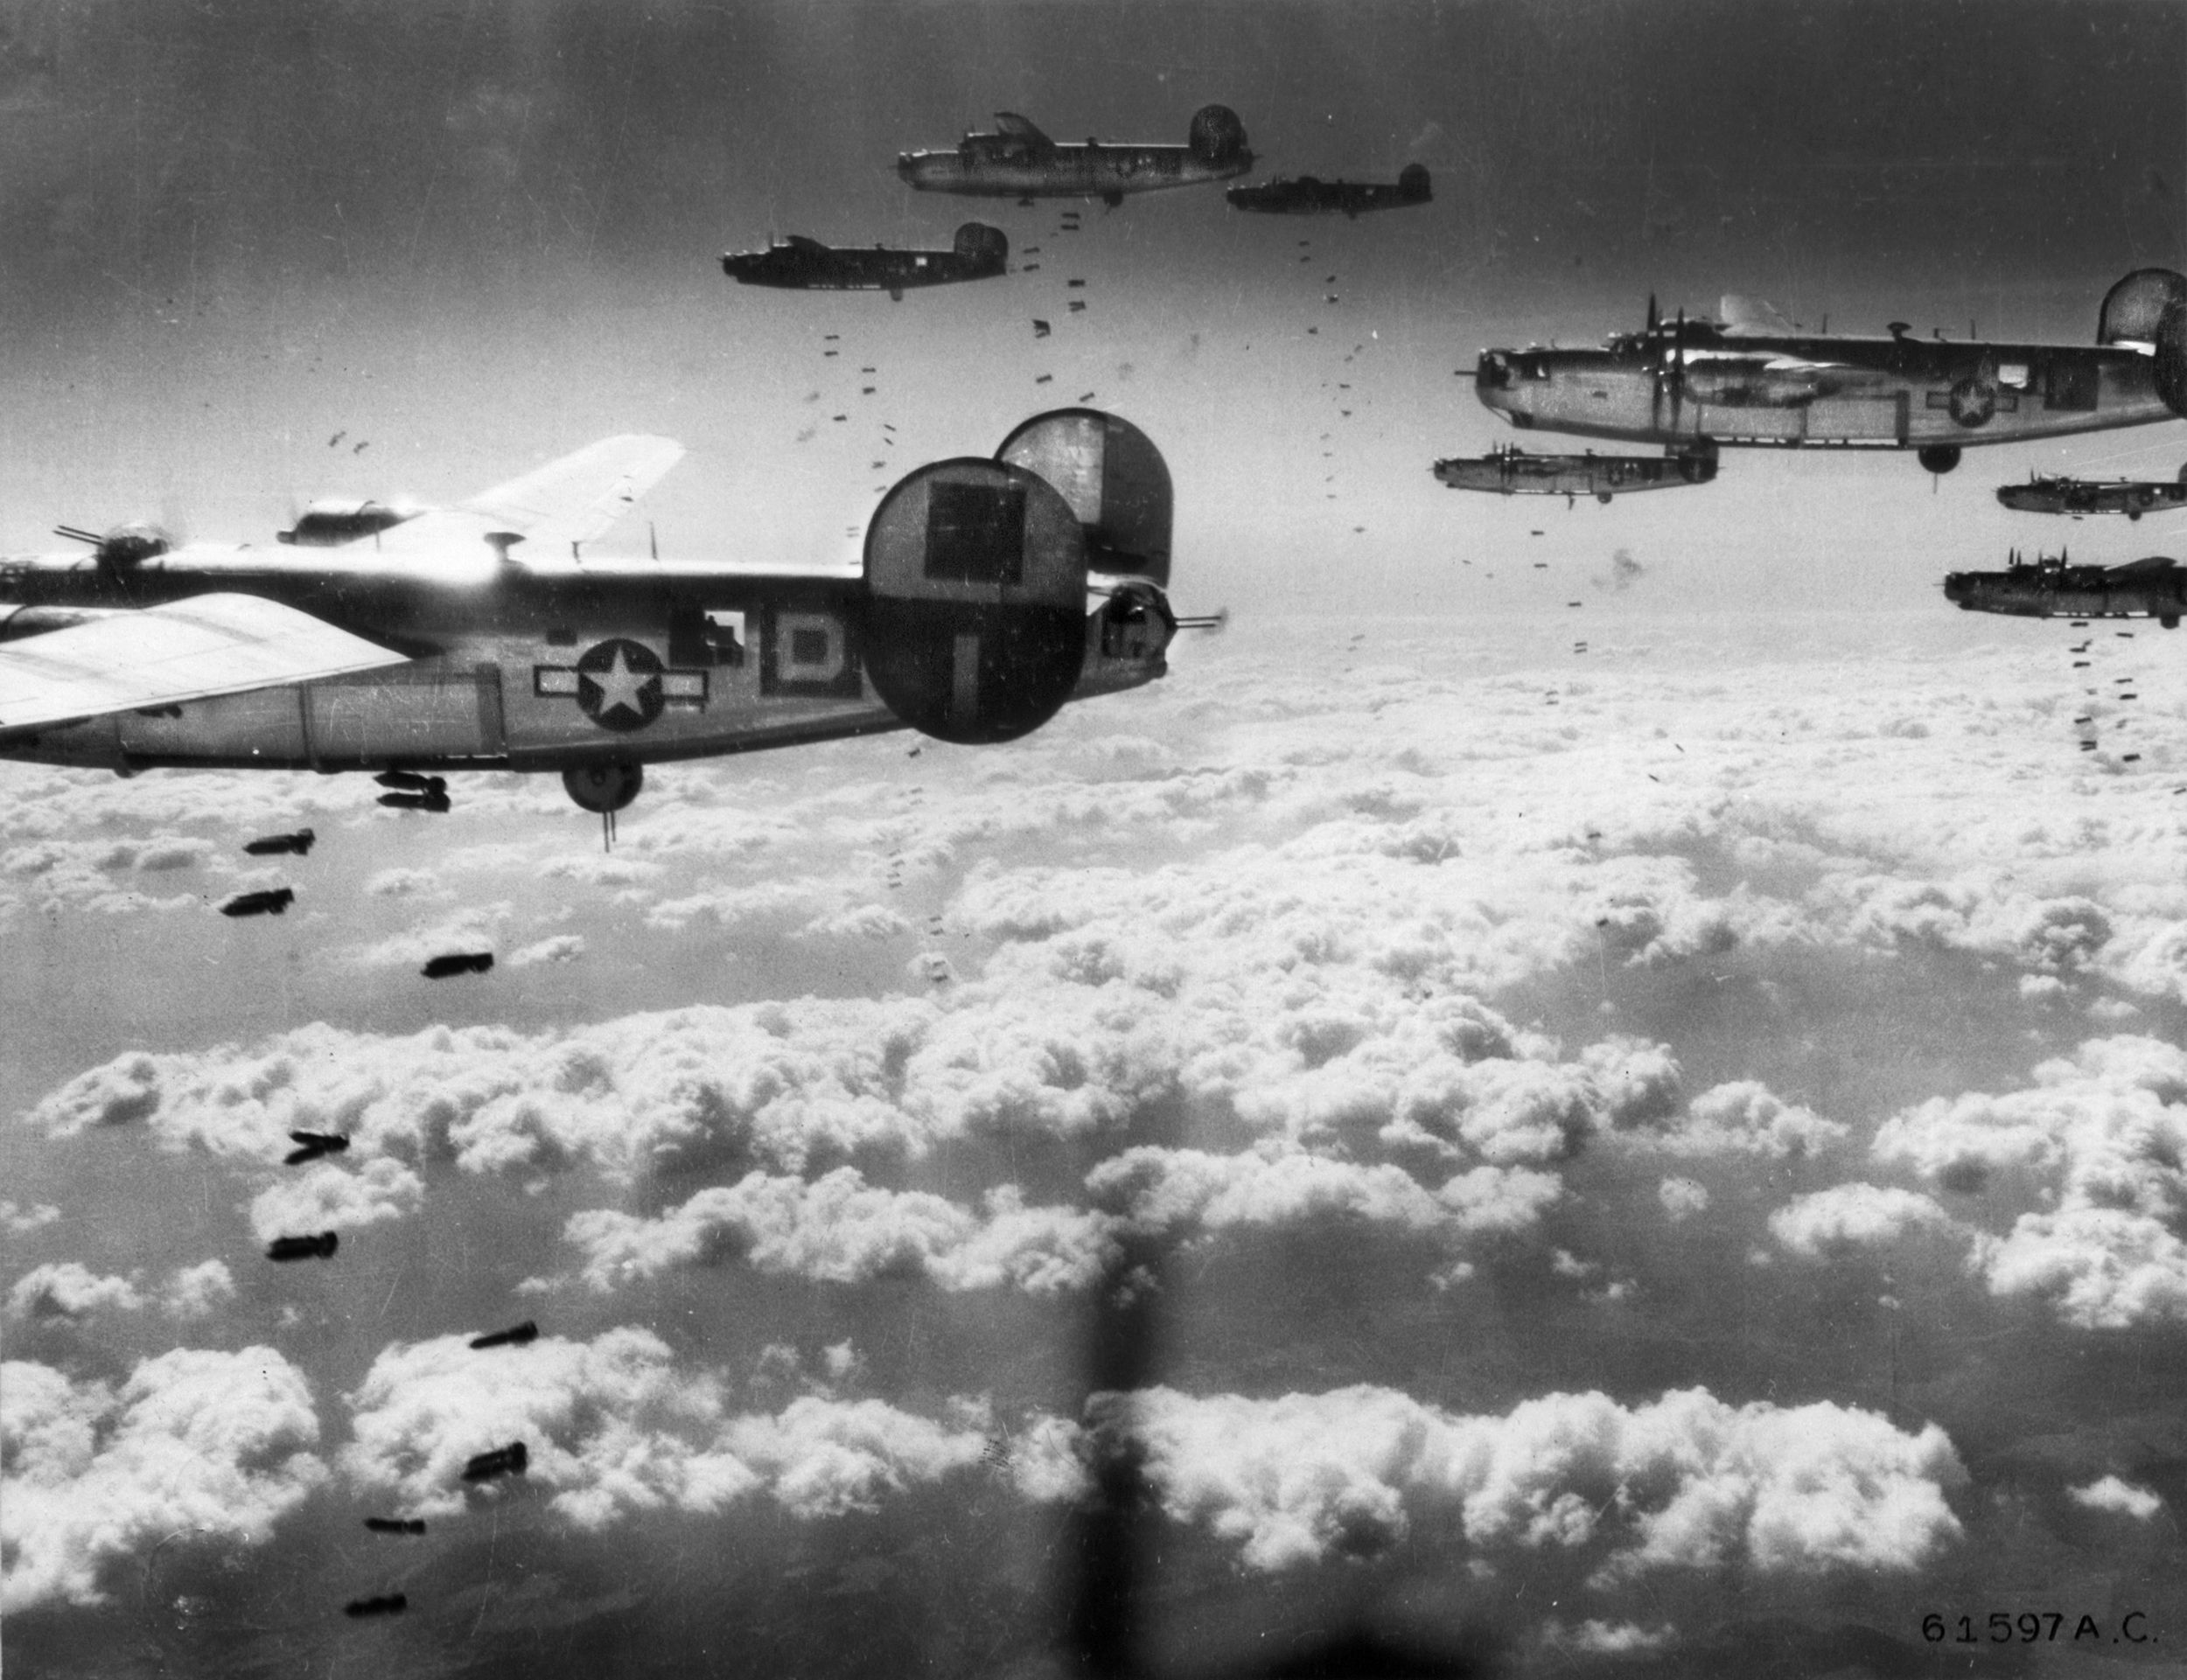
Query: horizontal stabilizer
x,y
188,650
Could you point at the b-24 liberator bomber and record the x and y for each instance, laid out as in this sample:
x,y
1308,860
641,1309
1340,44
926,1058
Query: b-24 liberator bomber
x,y
1753,379
485,637
2054,588
2049,493
800,264
1019,162
1309,195
1509,471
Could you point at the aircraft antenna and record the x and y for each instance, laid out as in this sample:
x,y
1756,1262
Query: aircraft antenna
x,y
652,538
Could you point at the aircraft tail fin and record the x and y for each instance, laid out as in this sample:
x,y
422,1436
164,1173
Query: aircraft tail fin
x,y
2132,309
2171,358
1115,480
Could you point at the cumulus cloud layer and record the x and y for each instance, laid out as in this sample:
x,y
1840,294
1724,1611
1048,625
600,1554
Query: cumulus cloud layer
x,y
1686,1482
841,1229
613,1427
2100,1140
1855,1216
194,1442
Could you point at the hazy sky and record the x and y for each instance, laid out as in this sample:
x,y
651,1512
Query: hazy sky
x,y
484,235
1642,1138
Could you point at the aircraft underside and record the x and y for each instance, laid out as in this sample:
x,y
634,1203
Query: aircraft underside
x,y
522,703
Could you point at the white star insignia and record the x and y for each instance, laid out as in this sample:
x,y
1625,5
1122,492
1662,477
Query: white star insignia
x,y
620,686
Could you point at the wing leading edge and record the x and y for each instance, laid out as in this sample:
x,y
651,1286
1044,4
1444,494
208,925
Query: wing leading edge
x,y
188,650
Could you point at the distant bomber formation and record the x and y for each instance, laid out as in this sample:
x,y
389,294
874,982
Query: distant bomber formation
x,y
2156,587
1511,471
1308,196
1017,161
1755,380
2044,493
802,264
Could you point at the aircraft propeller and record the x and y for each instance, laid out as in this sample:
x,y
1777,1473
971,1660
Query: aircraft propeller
x,y
1670,367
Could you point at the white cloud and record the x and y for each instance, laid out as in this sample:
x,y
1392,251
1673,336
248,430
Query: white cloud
x,y
1742,1117
839,1229
21,1222
613,1428
198,1291
404,883
1595,1637
2099,1143
1161,1189
1856,1216
328,1197
65,1289
556,948
1682,1198
2126,1498
1686,1482
197,1443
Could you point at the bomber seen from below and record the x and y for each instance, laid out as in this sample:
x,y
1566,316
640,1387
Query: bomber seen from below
x,y
797,263
1018,161
989,592
1753,378
1307,195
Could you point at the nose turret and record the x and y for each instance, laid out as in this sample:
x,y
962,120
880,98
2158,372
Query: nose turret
x,y
1495,382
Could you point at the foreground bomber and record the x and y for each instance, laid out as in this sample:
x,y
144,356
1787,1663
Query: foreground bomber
x,y
990,592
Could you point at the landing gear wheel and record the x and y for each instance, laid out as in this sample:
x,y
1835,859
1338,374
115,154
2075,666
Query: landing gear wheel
x,y
606,789
603,788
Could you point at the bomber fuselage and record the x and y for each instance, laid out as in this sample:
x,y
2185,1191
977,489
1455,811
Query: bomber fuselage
x,y
1813,391
2076,496
1515,472
519,666
805,265
2156,587
1003,166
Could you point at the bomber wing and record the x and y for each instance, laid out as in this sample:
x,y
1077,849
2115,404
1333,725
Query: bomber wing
x,y
161,656
571,500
